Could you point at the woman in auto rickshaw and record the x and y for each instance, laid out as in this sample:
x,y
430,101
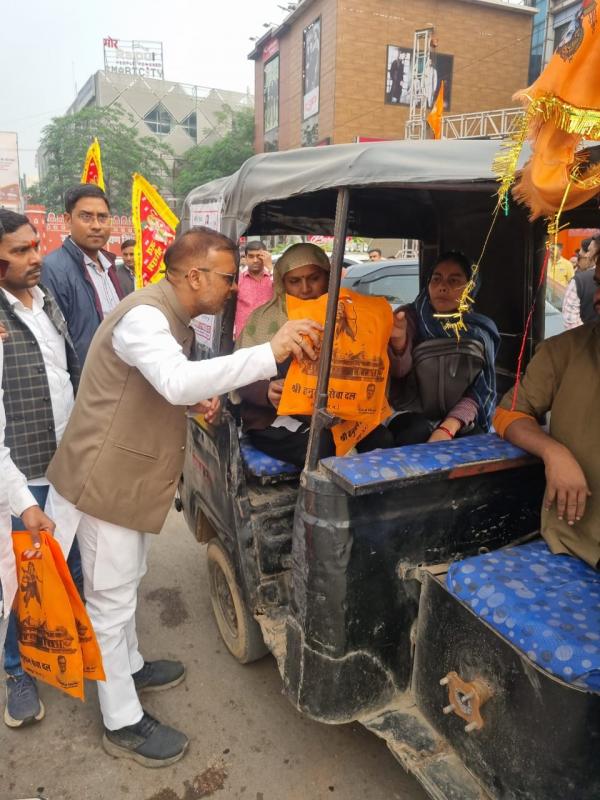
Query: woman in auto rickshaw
x,y
302,272
443,387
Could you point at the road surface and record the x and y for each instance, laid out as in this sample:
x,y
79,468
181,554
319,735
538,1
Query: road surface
x,y
247,741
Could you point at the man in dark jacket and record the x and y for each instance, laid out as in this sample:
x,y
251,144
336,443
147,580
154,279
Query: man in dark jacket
x,y
125,271
80,274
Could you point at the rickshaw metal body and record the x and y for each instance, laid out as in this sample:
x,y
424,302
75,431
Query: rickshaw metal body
x,y
345,573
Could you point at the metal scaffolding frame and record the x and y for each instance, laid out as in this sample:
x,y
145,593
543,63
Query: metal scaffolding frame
x,y
416,126
481,124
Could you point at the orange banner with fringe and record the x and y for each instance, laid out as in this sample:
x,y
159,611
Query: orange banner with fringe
x,y
154,224
562,108
436,115
92,168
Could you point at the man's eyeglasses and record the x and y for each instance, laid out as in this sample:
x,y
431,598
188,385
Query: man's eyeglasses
x,y
85,216
229,276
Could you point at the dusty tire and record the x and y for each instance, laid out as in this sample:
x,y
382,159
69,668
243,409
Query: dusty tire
x,y
239,630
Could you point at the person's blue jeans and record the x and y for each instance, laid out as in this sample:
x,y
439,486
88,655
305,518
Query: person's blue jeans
x,y
12,659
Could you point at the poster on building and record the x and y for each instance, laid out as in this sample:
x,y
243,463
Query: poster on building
x,y
398,76
271,94
10,196
207,214
311,68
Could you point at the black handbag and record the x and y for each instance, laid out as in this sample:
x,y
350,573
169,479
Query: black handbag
x,y
444,370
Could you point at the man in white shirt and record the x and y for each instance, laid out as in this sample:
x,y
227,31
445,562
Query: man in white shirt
x,y
41,371
15,497
115,473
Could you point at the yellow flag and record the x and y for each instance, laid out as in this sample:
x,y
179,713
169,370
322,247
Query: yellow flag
x,y
92,169
154,224
436,114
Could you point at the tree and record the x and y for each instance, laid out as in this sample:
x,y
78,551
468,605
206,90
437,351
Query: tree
x,y
65,142
204,163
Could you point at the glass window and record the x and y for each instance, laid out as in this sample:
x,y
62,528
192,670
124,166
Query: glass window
x,y
190,125
396,288
159,120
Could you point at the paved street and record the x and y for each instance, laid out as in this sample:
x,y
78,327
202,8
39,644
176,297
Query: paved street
x,y
247,740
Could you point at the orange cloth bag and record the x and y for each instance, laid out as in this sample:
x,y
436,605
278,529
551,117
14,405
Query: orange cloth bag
x,y
359,367
56,640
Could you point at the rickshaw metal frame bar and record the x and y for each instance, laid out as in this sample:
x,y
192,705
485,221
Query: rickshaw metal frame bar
x,y
321,419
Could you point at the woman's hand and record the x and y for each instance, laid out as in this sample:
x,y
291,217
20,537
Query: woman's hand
x,y
274,392
439,435
398,337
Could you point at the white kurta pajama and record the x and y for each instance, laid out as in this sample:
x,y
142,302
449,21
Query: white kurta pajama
x,y
114,557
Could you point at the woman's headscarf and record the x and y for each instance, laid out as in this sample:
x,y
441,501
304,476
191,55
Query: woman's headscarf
x,y
266,320
479,327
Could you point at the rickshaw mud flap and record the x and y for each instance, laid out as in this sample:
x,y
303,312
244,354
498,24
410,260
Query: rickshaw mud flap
x,y
332,690
422,752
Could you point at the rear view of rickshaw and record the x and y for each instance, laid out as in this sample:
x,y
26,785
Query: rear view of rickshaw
x,y
408,588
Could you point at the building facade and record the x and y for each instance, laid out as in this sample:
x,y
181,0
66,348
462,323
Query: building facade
x,y
339,71
177,114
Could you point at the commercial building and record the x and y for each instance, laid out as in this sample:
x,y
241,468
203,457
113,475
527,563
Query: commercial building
x,y
178,114
554,21
338,71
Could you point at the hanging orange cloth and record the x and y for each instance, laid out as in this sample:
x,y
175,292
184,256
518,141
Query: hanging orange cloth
x,y
359,367
562,109
436,115
56,640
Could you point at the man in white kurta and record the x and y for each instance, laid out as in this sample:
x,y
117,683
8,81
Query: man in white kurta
x,y
139,359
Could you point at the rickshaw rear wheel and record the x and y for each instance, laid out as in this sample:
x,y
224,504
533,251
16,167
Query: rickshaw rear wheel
x,y
238,628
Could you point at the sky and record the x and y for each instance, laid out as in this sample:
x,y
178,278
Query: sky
x,y
47,48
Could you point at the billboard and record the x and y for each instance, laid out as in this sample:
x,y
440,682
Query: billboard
x,y
271,94
10,196
398,77
133,57
311,68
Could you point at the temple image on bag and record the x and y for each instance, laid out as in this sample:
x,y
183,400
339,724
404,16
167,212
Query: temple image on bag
x,y
33,633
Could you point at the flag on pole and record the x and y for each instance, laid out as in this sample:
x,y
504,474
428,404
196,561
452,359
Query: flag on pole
x,y
435,116
92,169
562,109
154,225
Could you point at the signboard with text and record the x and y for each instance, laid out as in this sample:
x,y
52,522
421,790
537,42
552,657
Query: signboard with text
x,y
133,57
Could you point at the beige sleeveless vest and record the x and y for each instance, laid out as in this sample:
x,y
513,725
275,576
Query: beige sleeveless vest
x,y
122,452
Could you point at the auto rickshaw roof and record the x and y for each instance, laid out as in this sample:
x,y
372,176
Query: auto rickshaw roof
x,y
449,164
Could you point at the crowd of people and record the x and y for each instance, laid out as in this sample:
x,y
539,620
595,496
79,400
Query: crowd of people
x,y
83,352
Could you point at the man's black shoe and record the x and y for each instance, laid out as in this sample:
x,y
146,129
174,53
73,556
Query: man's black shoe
x,y
155,676
148,742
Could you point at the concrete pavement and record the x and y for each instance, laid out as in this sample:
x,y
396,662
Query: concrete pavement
x,y
247,741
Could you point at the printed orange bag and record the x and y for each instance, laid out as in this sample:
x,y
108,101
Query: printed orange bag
x,y
359,367
56,640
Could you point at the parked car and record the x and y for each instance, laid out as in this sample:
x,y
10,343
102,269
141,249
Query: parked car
x,y
398,281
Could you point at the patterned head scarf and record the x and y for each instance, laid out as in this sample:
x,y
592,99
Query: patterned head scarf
x,y
266,320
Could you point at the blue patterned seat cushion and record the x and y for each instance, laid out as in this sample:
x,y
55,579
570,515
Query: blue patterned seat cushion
x,y
260,465
548,606
378,468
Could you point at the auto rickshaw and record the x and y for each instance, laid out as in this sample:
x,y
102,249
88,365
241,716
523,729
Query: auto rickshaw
x,y
373,579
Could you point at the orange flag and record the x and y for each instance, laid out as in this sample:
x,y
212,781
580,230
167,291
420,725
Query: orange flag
x,y
92,169
154,225
562,108
436,114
